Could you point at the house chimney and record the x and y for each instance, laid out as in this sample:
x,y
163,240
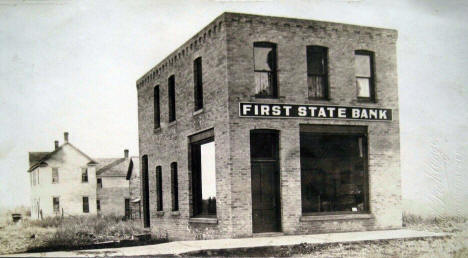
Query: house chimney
x,y
65,136
56,144
126,153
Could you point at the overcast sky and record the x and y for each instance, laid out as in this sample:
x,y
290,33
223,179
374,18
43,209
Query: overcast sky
x,y
72,66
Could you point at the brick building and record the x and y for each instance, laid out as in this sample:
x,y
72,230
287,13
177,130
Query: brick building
x,y
266,124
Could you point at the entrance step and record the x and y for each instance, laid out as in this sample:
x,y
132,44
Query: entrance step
x,y
268,234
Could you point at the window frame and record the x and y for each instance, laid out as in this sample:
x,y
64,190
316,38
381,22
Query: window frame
x,y
58,204
274,69
198,83
84,175
195,141
156,107
174,186
372,95
159,189
171,99
99,182
85,201
57,178
345,130
325,75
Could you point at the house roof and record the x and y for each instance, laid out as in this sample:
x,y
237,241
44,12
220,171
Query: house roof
x,y
38,158
34,157
109,167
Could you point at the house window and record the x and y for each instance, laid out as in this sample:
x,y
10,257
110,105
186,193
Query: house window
x,y
84,175
159,191
364,69
98,205
56,204
127,208
334,169
265,70
171,98
99,182
317,72
203,169
198,83
55,176
174,187
85,204
157,111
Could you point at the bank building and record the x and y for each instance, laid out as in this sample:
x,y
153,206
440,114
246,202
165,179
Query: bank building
x,y
264,125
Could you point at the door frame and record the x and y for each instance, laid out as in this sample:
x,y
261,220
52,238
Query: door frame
x,y
276,160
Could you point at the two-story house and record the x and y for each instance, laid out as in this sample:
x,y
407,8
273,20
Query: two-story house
x,y
67,182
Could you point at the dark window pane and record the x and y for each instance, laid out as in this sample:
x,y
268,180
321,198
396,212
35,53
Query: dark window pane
x,y
333,173
317,72
263,149
84,175
159,190
85,205
56,204
171,98
174,187
198,82
157,112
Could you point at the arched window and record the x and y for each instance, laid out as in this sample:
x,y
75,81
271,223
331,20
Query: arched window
x,y
174,187
145,188
159,189
157,111
265,70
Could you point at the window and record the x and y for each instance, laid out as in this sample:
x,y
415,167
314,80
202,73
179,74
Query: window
x,y
98,205
198,83
55,176
127,208
56,204
174,187
84,175
364,69
85,204
317,72
333,169
265,70
159,191
157,111
145,189
99,182
171,98
203,169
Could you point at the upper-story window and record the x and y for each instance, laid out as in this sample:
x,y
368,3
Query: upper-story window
x,y
364,69
55,176
317,72
171,98
265,70
84,175
99,182
198,83
157,111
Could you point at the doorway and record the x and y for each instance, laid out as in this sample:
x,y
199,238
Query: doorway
x,y
266,206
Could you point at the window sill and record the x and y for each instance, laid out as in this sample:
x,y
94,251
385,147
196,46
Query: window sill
x,y
197,112
159,213
366,100
204,220
306,218
175,213
157,130
172,123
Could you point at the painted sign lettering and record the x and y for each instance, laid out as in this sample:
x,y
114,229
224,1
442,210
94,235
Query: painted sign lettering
x,y
313,111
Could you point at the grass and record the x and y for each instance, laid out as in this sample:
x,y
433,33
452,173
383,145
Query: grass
x,y
56,233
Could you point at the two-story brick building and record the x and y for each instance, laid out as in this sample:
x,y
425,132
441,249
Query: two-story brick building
x,y
266,124
66,182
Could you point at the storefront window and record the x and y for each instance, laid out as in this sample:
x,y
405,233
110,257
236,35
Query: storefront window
x,y
333,169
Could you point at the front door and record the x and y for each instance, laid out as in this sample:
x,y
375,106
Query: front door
x,y
265,181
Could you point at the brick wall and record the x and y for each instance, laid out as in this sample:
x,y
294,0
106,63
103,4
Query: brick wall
x,y
228,79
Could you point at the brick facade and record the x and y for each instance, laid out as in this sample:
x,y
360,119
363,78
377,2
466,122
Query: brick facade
x,y
226,47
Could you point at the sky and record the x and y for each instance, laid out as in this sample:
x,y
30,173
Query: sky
x,y
72,66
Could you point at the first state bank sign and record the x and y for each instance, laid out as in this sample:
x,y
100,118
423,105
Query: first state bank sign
x,y
263,110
